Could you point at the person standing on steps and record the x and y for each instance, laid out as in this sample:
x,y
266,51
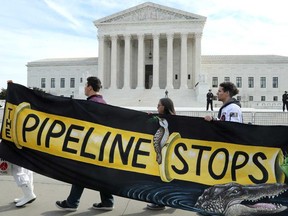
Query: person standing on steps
x,y
285,101
209,98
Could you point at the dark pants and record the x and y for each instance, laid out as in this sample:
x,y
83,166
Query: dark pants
x,y
76,192
209,103
285,104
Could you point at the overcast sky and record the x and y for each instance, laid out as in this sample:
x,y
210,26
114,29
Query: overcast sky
x,y
38,29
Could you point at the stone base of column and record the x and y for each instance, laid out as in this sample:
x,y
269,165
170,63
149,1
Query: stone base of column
x,y
126,88
169,87
183,87
140,88
113,88
155,88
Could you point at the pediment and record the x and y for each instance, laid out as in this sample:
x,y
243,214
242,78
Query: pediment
x,y
149,12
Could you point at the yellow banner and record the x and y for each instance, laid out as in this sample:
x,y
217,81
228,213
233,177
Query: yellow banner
x,y
183,159
218,163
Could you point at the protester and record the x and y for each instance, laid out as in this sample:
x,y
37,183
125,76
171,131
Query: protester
x,y
285,101
166,107
231,108
209,98
24,179
92,89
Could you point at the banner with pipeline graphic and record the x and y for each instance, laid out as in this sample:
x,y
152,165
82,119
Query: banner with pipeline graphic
x,y
215,168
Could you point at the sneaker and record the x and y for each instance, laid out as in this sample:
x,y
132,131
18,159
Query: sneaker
x,y
101,207
64,206
153,206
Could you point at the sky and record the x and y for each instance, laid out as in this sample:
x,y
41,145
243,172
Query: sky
x,y
31,30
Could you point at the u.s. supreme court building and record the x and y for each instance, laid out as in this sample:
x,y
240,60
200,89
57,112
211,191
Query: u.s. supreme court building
x,y
151,49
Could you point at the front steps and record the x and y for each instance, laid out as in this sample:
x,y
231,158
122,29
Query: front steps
x,y
150,97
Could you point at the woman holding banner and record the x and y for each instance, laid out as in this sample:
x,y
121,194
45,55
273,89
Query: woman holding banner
x,y
231,108
165,107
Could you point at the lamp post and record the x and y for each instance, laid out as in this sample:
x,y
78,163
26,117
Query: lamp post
x,y
150,53
166,93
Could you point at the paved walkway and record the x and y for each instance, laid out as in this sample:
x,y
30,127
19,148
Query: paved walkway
x,y
49,190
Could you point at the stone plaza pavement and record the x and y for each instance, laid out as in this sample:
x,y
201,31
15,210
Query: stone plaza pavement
x,y
49,190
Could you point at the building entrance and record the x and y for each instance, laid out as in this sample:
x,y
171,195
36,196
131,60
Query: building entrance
x,y
148,76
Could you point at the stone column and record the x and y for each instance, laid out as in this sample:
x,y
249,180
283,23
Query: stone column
x,y
114,47
101,45
156,61
169,83
197,58
127,63
140,74
184,74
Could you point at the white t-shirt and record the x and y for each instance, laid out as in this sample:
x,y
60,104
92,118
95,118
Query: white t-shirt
x,y
232,113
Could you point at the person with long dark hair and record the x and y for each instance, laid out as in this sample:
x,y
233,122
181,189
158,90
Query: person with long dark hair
x,y
165,107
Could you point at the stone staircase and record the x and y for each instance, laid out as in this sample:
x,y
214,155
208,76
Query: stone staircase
x,y
150,97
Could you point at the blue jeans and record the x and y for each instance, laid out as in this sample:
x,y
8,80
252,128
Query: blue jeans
x,y
73,199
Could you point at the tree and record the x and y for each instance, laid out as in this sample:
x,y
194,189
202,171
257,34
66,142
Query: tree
x,y
38,89
3,94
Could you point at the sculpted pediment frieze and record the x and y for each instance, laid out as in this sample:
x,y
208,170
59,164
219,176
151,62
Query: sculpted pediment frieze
x,y
150,12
